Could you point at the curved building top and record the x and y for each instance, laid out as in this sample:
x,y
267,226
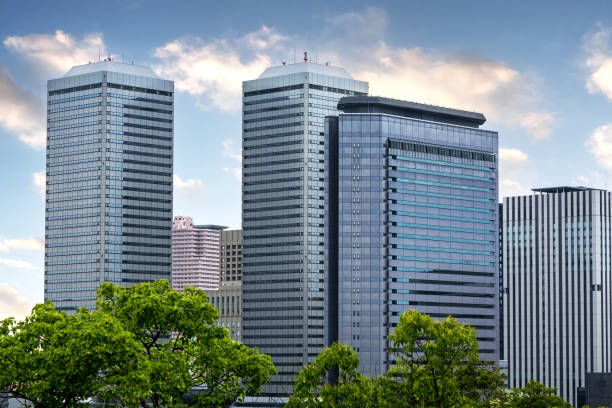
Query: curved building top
x,y
377,104
300,67
112,66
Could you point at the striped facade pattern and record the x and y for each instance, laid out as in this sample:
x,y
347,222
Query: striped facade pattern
x,y
556,266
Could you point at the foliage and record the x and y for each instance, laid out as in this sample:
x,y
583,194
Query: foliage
x,y
438,365
533,395
181,348
350,388
54,360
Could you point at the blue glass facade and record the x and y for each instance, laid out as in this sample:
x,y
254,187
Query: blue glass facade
x,y
415,228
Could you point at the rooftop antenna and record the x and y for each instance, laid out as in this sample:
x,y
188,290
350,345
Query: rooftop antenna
x,y
305,56
98,53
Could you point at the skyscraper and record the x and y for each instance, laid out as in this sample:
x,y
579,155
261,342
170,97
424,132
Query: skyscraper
x,y
557,248
109,180
195,254
411,222
282,212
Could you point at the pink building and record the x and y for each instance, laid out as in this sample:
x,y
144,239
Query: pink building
x,y
195,254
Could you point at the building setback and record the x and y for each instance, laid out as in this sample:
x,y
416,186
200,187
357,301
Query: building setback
x,y
557,255
411,223
282,213
195,254
108,214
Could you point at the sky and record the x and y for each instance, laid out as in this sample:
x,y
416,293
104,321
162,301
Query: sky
x,y
541,72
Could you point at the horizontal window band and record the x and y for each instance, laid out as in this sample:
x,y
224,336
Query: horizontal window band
x,y
442,163
433,183
440,150
440,217
75,89
440,195
441,228
439,304
444,239
439,293
273,90
437,249
442,206
439,260
440,271
440,173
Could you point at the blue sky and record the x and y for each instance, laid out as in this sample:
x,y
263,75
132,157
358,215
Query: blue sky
x,y
541,72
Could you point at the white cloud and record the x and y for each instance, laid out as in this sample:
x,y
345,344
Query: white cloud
x,y
214,70
16,263
595,179
598,49
20,113
235,171
39,179
512,156
189,185
599,144
13,304
501,92
58,52
509,188
27,244
230,150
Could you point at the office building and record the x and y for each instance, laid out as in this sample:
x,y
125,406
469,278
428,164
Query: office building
x,y
109,180
282,213
411,223
227,298
557,255
195,254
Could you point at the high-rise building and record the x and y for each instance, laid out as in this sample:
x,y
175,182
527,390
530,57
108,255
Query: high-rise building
x,y
411,223
109,180
557,257
282,212
227,299
195,254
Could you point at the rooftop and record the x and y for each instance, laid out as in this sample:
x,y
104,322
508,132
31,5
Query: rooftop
x,y
112,66
210,227
562,189
377,104
300,67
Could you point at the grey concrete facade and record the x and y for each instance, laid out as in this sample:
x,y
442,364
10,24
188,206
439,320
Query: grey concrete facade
x,y
411,222
108,213
557,257
282,214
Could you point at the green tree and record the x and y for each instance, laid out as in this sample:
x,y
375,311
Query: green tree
x,y
350,389
533,395
51,359
438,365
183,351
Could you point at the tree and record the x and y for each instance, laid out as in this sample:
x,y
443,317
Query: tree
x,y
51,359
351,389
183,351
438,365
533,395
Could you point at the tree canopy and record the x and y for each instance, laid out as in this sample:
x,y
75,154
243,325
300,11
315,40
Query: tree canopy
x,y
349,389
183,350
533,395
51,359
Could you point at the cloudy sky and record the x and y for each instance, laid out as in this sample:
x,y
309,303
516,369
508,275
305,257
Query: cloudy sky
x,y
541,73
